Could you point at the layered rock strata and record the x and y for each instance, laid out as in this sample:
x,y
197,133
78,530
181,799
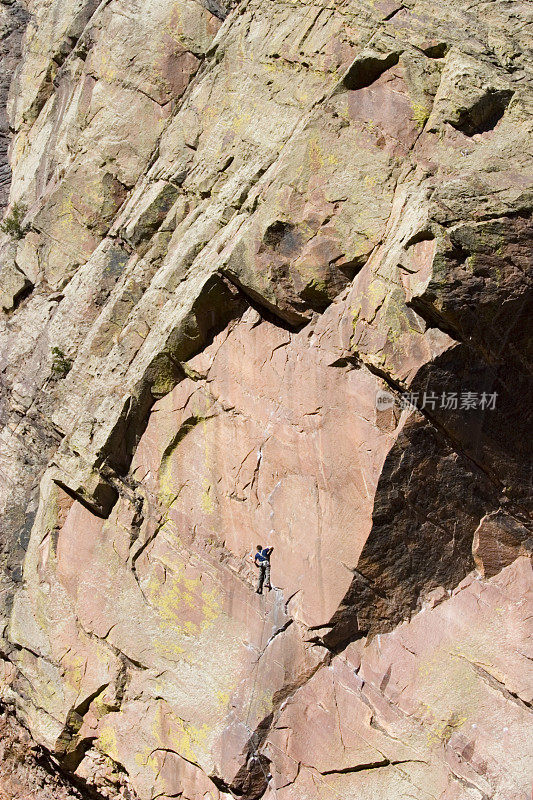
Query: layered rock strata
x,y
240,236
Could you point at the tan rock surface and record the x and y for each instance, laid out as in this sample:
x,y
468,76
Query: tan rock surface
x,y
242,224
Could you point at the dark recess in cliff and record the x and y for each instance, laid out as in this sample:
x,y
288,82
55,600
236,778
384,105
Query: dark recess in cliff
x,y
13,19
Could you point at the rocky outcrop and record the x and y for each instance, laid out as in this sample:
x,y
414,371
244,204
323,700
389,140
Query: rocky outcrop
x,y
264,278
25,769
13,18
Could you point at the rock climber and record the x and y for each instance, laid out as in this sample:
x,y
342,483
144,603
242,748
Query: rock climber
x,y
262,562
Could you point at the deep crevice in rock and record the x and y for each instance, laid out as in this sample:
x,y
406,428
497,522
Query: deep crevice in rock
x,y
367,69
485,114
288,321
372,765
437,50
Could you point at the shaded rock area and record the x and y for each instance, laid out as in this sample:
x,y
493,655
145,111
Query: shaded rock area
x,y
265,277
13,19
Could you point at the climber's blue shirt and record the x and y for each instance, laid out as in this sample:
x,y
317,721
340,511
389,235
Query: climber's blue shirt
x,y
263,557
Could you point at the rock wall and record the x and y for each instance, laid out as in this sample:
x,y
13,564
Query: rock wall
x,y
13,20
232,229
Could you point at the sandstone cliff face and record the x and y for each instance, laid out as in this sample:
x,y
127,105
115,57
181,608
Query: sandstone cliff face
x,y
241,223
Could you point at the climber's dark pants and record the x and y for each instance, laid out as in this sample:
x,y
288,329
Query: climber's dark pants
x,y
264,577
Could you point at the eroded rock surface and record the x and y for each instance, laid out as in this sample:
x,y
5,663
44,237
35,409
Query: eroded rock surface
x,y
242,224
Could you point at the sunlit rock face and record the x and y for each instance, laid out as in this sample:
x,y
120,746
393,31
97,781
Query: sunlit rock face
x,y
265,279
